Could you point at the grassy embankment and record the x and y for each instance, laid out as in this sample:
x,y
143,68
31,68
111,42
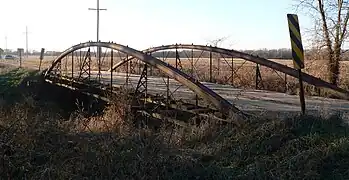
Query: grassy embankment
x,y
36,142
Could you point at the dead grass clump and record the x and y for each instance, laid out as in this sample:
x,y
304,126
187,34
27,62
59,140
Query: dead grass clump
x,y
116,117
36,144
290,149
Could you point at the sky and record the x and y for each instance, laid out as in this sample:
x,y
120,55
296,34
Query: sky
x,y
59,24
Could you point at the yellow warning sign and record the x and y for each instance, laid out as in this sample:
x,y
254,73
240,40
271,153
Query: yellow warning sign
x,y
296,41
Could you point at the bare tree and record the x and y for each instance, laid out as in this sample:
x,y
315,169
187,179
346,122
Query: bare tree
x,y
331,21
218,41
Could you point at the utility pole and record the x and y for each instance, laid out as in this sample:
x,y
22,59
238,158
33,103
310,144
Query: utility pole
x,y
26,40
6,44
98,9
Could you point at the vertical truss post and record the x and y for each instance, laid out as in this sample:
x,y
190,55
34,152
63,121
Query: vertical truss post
x,y
168,93
192,63
167,81
132,68
196,98
89,65
151,68
99,63
232,71
80,61
177,57
139,63
145,88
66,66
59,67
285,82
164,57
72,66
146,81
211,65
192,75
218,66
111,72
127,66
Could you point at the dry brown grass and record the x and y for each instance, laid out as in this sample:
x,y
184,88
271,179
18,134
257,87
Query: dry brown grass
x,y
36,142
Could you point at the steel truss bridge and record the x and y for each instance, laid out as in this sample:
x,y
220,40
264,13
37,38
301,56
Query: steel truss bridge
x,y
171,81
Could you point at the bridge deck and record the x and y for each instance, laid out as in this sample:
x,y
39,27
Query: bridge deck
x,y
246,100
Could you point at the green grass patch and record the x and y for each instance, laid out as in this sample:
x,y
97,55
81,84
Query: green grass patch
x,y
13,83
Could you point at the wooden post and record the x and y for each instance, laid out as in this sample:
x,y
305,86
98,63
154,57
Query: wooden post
x,y
20,58
301,91
20,52
41,57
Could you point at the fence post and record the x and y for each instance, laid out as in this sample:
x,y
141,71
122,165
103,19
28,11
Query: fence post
x,y
41,57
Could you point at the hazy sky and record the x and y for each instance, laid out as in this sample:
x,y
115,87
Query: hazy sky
x,y
59,24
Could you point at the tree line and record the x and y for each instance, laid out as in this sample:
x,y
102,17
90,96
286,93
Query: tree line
x,y
265,53
282,53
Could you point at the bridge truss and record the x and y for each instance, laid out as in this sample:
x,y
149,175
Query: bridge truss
x,y
166,81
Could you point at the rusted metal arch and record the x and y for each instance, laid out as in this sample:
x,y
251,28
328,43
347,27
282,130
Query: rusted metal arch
x,y
220,103
236,54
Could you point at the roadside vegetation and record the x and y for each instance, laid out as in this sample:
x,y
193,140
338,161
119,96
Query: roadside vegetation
x,y
38,142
